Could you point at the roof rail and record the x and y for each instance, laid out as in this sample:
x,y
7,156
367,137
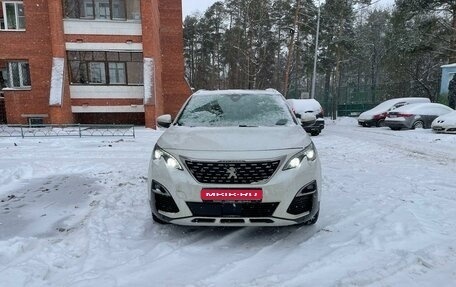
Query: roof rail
x,y
272,90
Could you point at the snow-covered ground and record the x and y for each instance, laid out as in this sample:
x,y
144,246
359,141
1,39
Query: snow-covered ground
x,y
74,212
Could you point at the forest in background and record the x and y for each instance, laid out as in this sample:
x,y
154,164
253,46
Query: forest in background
x,y
364,55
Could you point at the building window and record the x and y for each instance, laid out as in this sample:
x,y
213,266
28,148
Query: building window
x,y
3,77
102,9
97,73
117,73
106,68
12,15
16,75
36,122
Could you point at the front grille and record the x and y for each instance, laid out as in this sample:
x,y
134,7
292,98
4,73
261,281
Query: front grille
x,y
219,209
232,172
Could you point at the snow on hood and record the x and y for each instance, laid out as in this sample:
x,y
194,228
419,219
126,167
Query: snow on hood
x,y
234,138
447,119
382,108
368,115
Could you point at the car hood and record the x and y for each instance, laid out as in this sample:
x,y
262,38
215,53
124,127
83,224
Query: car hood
x,y
234,138
447,119
369,115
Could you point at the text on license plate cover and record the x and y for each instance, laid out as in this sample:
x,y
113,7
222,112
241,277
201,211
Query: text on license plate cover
x,y
220,194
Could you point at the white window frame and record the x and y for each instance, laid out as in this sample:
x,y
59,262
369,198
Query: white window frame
x,y
21,75
89,9
117,73
103,9
16,14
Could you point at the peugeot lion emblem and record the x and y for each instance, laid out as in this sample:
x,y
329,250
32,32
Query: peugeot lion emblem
x,y
231,173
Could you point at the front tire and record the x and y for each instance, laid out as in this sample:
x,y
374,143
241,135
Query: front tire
x,y
315,133
313,220
418,125
158,220
380,123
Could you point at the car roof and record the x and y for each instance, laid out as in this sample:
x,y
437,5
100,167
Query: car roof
x,y
413,107
304,104
238,92
408,99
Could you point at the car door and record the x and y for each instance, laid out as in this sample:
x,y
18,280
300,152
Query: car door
x,y
431,114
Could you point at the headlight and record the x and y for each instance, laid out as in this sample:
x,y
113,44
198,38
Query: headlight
x,y
170,160
295,161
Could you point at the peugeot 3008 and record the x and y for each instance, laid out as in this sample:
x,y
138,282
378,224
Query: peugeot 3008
x,y
235,158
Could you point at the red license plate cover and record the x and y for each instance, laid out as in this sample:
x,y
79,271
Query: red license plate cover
x,y
231,194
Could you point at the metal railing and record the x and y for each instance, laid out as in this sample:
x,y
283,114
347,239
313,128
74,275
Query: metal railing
x,y
73,130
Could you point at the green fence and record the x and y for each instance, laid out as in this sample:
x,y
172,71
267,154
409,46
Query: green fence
x,y
352,101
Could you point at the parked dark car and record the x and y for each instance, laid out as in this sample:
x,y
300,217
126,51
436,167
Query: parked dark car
x,y
415,116
302,106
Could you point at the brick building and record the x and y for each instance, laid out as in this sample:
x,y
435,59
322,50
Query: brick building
x,y
91,61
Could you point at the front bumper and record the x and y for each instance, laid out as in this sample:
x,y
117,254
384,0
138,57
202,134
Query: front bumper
x,y
178,200
367,123
444,129
317,127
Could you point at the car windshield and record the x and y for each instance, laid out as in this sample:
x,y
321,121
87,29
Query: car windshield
x,y
244,110
384,106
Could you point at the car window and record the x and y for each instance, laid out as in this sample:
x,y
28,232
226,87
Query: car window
x,y
398,105
236,110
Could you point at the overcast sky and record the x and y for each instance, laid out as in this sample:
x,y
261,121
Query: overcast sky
x,y
192,6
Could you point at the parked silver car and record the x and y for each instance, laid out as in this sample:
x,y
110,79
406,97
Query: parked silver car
x,y
415,116
376,116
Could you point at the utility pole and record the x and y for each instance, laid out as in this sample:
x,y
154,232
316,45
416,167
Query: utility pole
x,y
314,76
336,94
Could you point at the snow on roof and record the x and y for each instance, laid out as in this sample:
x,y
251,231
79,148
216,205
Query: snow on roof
x,y
449,66
240,92
424,106
304,105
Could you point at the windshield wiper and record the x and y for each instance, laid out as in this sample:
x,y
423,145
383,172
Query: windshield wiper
x,y
281,122
247,126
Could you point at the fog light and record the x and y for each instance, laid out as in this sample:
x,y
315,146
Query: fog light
x,y
159,189
308,189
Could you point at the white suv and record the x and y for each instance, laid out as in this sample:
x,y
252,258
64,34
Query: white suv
x,y
235,158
